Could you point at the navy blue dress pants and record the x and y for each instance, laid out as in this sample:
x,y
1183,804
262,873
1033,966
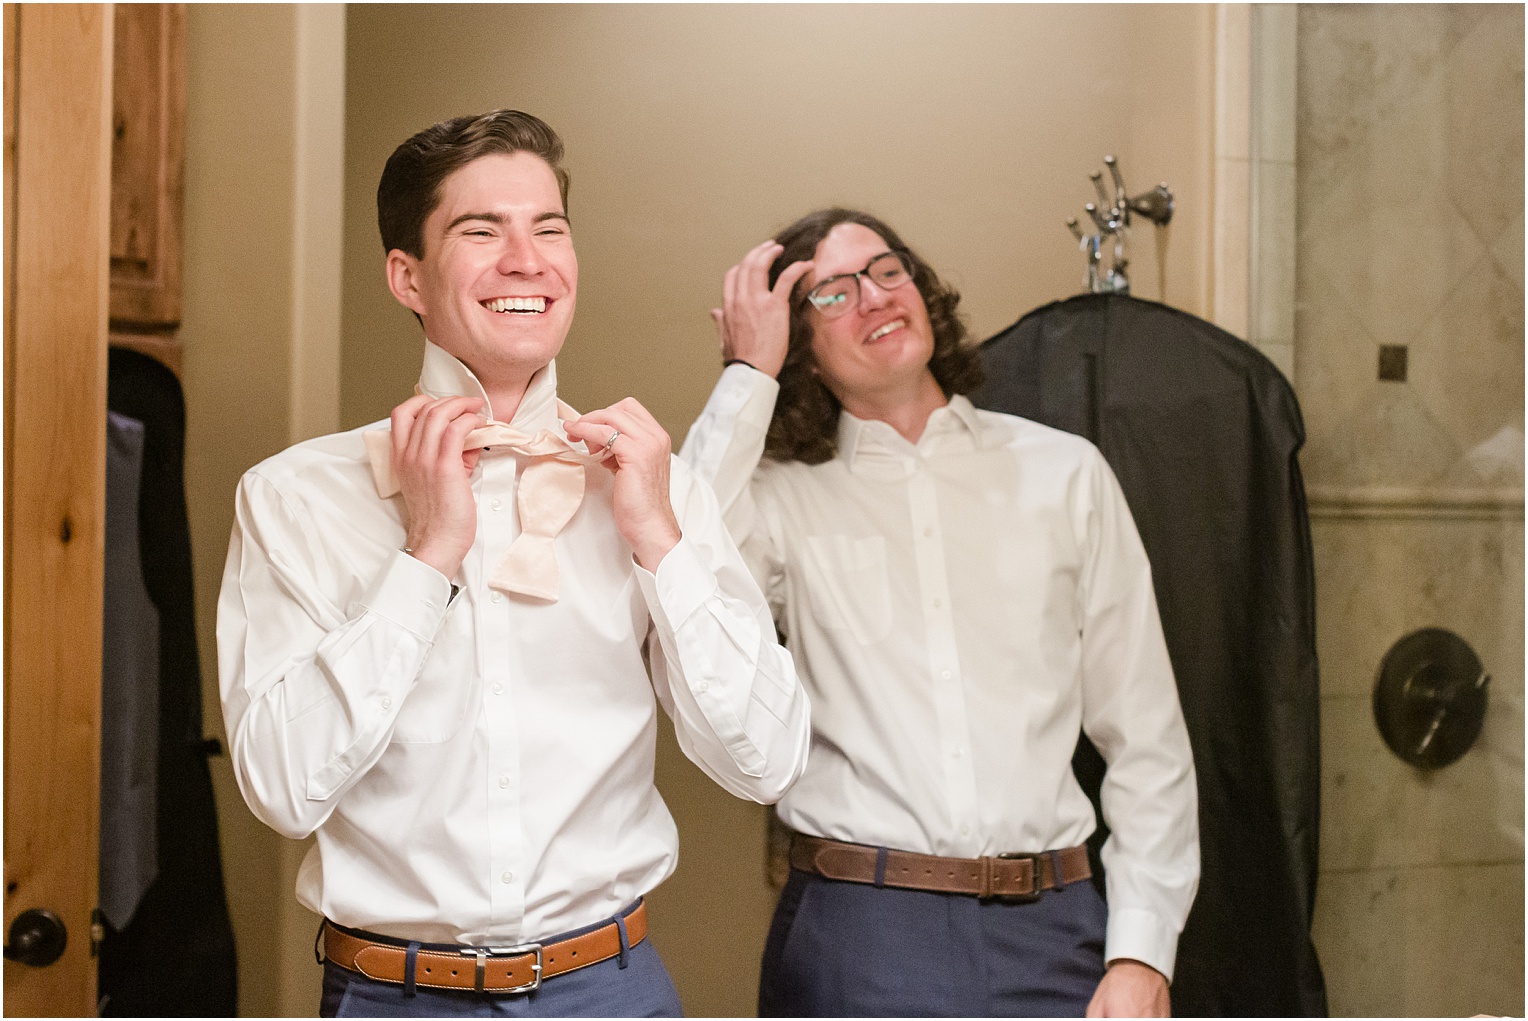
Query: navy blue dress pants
x,y
840,949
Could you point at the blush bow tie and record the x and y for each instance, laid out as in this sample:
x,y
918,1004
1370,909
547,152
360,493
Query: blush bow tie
x,y
550,489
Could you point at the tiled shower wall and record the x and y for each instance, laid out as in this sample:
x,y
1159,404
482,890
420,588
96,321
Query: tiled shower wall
x,y
1409,233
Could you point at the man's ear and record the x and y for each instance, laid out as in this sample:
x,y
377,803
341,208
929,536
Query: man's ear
x,y
402,280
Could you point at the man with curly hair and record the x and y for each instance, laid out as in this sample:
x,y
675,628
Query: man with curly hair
x,y
962,592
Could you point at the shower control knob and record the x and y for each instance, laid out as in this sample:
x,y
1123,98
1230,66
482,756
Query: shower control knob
x,y
37,938
1430,698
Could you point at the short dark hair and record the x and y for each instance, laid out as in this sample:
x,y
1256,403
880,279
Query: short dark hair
x,y
410,187
805,423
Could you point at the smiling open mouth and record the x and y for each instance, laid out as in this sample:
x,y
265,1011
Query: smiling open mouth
x,y
525,306
895,324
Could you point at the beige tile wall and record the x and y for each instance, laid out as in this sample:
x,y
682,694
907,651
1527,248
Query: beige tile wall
x,y
1409,231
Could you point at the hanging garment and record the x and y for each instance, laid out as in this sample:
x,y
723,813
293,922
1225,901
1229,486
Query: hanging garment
x,y
1202,432
129,857
176,957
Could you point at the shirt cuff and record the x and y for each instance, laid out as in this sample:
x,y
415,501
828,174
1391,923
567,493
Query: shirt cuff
x,y
411,594
750,394
1141,936
683,582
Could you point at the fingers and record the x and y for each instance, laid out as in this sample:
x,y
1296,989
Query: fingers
x,y
428,431
639,436
789,276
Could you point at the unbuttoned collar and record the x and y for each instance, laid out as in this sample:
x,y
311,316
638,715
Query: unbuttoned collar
x,y
444,375
873,447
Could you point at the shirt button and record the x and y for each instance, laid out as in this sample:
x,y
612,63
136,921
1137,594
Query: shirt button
x,y
387,703
503,782
938,603
945,674
928,533
508,877
495,597
955,753
496,504
965,831
498,689
704,686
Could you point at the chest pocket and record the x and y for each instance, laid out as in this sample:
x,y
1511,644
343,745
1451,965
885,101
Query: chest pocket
x,y
435,710
848,586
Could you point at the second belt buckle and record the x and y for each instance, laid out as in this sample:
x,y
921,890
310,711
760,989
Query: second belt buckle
x,y
1034,871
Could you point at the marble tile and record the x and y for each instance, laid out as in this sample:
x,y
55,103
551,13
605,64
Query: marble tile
x,y
1508,251
1466,363
1388,439
1422,942
1377,580
1360,936
1485,117
1359,66
1387,238
1379,812
1334,365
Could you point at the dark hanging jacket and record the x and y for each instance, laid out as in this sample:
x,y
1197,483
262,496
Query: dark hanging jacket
x,y
1203,431
175,958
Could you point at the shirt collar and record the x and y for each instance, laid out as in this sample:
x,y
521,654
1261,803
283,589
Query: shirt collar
x,y
874,446
444,375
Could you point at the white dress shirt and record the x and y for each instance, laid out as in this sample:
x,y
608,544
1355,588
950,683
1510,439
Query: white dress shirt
x,y
958,608
479,768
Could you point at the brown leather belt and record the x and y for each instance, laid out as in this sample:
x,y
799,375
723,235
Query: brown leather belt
x,y
512,969
1007,876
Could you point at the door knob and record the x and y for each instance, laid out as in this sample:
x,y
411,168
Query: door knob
x,y
37,937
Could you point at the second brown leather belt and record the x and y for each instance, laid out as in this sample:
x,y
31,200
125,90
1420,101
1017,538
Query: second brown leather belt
x,y
1008,876
515,969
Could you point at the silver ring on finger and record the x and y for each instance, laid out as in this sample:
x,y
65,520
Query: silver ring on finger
x,y
615,434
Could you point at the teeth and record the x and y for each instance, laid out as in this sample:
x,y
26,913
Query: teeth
x,y
516,305
878,334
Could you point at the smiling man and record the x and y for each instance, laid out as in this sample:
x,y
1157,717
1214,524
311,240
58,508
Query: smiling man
x,y
962,591
443,638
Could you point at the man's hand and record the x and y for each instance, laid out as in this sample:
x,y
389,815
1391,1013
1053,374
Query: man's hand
x,y
1131,989
640,460
435,474
754,322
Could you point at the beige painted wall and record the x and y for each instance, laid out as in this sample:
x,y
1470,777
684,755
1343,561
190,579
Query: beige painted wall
x,y
261,334
692,133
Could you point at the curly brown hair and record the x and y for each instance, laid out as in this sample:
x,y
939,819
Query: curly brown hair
x,y
805,423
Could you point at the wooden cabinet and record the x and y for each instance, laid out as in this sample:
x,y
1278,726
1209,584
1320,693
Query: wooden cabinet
x,y
148,176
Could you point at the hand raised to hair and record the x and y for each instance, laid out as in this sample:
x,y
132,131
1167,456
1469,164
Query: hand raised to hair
x,y
639,457
754,321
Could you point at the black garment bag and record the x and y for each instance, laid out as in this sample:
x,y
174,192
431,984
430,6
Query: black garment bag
x,y
175,958
1202,431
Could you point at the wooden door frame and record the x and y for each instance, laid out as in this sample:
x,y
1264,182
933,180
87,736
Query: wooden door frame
x,y
58,186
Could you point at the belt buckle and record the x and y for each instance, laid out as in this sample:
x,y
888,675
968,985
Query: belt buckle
x,y
483,953
1034,865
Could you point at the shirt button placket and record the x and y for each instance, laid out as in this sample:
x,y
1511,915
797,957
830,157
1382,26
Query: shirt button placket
x,y
505,842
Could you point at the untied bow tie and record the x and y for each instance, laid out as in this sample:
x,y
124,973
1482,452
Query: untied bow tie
x,y
551,487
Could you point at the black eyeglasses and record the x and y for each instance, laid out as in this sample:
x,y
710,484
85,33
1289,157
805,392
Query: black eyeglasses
x,y
837,295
